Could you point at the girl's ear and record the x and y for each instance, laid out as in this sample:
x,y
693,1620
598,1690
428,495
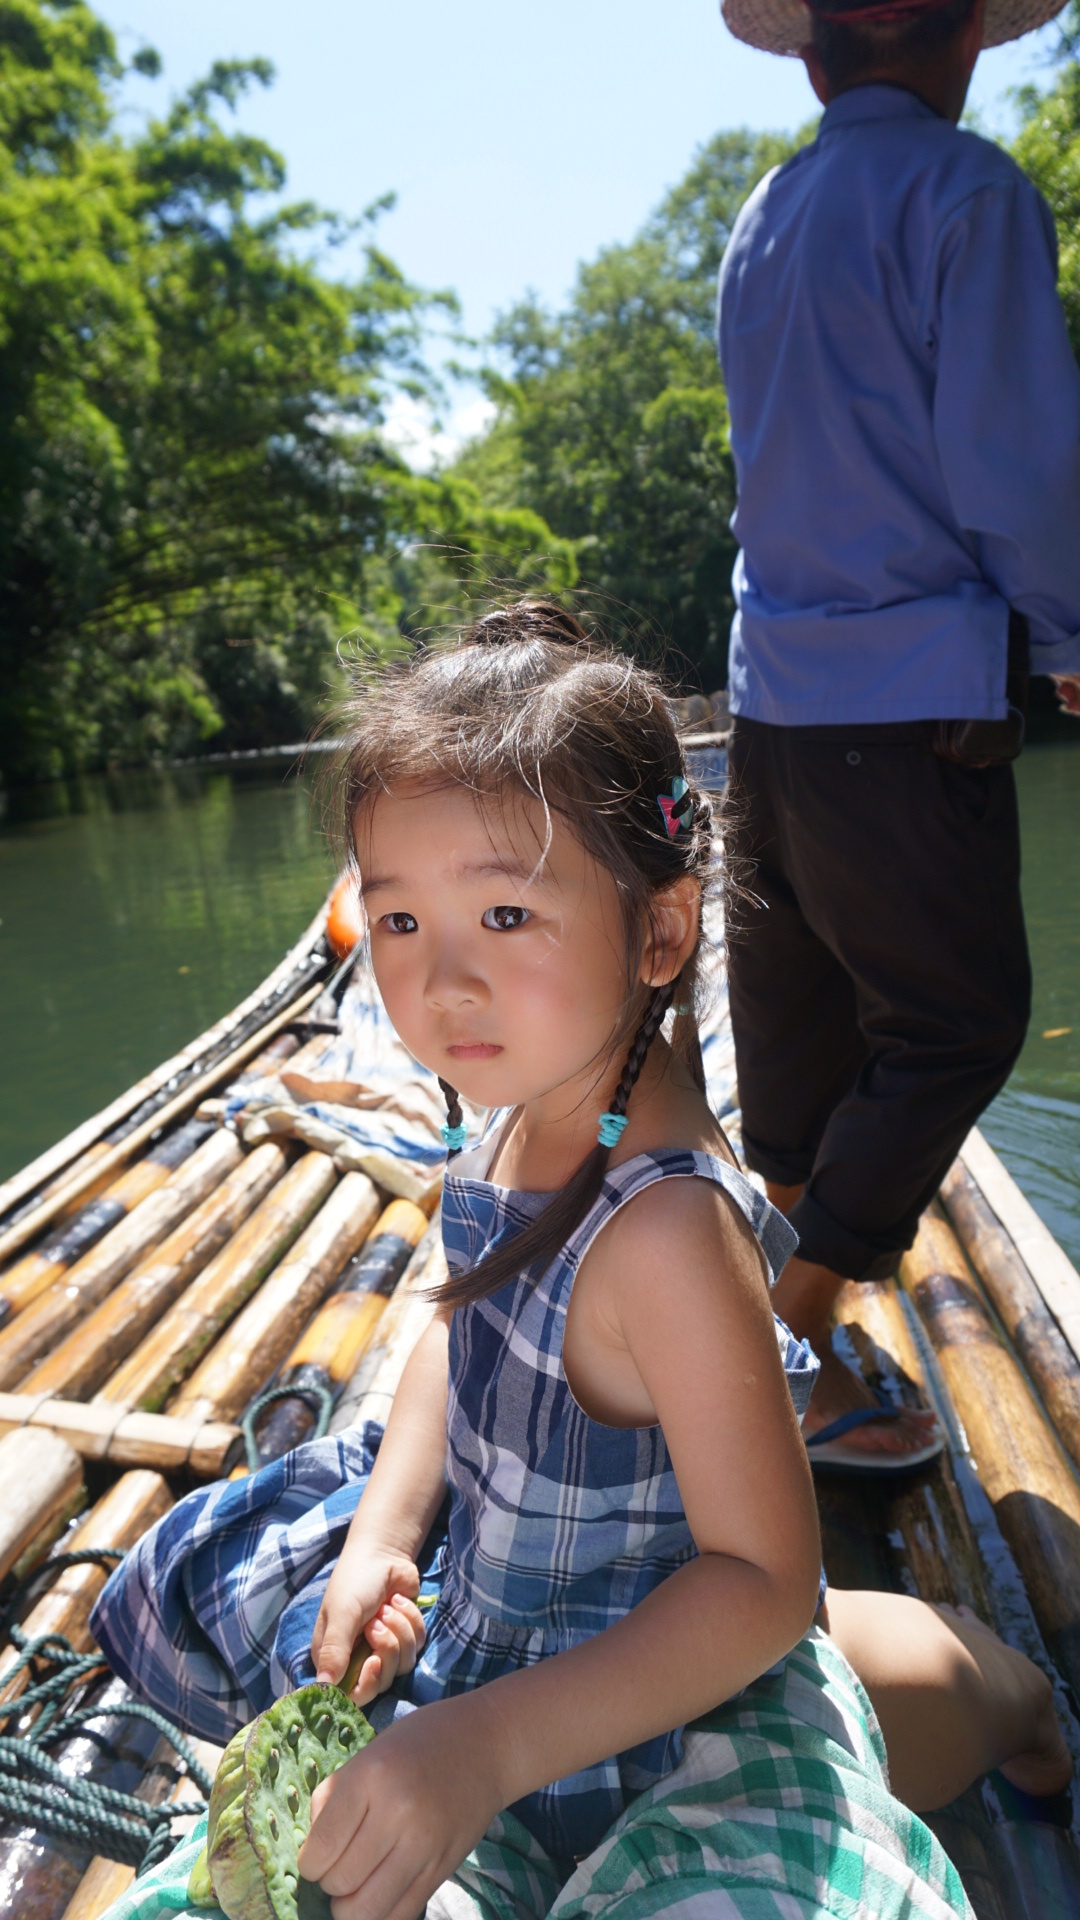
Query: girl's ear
x,y
675,923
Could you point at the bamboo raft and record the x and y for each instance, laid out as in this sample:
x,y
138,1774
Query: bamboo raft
x,y
157,1276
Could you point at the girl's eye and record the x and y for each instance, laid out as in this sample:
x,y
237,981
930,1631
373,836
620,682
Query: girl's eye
x,y
399,923
504,919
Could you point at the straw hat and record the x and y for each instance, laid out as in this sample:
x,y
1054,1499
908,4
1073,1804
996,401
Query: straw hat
x,y
783,26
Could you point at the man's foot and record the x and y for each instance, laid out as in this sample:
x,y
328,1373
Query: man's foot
x,y
838,1390
1040,1762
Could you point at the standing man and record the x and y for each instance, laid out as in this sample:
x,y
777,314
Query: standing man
x,y
905,422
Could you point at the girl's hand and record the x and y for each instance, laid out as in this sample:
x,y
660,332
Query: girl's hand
x,y
372,1592
395,1821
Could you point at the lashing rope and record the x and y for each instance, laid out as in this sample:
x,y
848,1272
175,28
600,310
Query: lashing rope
x,y
322,1410
33,1787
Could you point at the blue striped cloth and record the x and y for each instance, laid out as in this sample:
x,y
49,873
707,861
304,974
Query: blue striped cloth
x,y
557,1525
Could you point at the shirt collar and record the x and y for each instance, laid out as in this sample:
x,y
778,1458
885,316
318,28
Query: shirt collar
x,y
877,101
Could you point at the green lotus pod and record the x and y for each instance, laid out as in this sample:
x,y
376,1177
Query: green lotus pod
x,y
260,1808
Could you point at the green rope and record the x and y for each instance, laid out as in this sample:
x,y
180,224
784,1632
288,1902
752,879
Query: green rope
x,y
323,1408
34,1788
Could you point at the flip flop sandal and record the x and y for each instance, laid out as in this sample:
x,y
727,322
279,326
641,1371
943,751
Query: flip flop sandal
x,y
826,1448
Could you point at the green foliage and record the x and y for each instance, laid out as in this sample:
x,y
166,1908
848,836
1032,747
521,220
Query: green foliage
x,y
612,423
191,476
1048,149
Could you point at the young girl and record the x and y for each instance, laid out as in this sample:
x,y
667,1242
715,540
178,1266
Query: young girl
x,y
603,1403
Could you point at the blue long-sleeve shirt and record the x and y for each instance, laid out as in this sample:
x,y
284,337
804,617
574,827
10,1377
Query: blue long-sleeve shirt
x,y
905,423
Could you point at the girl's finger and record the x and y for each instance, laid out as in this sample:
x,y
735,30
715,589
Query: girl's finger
x,y
379,1889
367,1687
401,1604
404,1633
385,1644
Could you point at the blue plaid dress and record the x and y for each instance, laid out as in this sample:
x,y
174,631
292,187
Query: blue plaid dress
x,y
556,1526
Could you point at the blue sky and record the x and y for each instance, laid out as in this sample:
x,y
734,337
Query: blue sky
x,y
518,138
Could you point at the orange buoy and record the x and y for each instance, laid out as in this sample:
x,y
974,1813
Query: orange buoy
x,y
344,921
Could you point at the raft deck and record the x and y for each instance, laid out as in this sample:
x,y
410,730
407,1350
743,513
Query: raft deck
x,y
222,1231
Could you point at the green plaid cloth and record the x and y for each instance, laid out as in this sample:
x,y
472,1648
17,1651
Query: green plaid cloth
x,y
779,1810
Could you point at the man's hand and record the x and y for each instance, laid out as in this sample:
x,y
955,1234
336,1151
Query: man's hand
x,y
395,1821
372,1591
1068,692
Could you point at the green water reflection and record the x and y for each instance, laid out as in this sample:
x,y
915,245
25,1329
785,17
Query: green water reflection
x,y
1035,1123
135,912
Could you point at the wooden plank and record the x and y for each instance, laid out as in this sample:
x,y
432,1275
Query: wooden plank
x,y
1023,1312
84,1360
45,1321
43,1215
1021,1463
173,1348
1048,1264
83,1137
250,1351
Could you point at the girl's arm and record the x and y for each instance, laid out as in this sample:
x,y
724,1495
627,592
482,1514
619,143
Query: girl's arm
x,y
378,1561
678,1277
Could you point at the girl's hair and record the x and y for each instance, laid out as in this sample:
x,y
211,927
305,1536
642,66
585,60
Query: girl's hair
x,y
528,704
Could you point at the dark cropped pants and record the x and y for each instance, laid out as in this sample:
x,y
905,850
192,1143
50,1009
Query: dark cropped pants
x,y
879,973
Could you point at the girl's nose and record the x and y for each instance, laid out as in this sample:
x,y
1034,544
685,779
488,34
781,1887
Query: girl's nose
x,y
453,984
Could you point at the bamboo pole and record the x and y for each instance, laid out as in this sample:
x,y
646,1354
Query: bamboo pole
x,y
40,1478
78,1365
406,1318
105,1880
86,1139
103,1432
30,1276
925,1527
48,1318
332,1347
249,1352
1019,1304
118,1520
1027,1476
40,1871
42,1216
1046,1261
174,1347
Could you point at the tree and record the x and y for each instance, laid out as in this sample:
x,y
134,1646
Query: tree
x,y
1048,149
612,423
193,490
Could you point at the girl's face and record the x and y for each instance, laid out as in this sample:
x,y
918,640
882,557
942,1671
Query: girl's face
x,y
503,971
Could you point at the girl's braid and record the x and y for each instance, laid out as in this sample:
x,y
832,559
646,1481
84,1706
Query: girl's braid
x,y
643,1039
454,1115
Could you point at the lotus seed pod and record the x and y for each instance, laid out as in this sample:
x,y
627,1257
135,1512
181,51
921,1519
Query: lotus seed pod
x,y
264,1810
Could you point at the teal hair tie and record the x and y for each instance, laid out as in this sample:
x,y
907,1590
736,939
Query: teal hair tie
x,y
612,1128
455,1137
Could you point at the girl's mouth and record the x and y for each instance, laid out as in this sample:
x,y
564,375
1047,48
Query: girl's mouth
x,y
473,1050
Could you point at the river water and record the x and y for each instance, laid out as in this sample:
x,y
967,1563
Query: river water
x,y
135,911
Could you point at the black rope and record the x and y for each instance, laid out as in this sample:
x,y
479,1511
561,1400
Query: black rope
x,y
322,1410
34,1788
